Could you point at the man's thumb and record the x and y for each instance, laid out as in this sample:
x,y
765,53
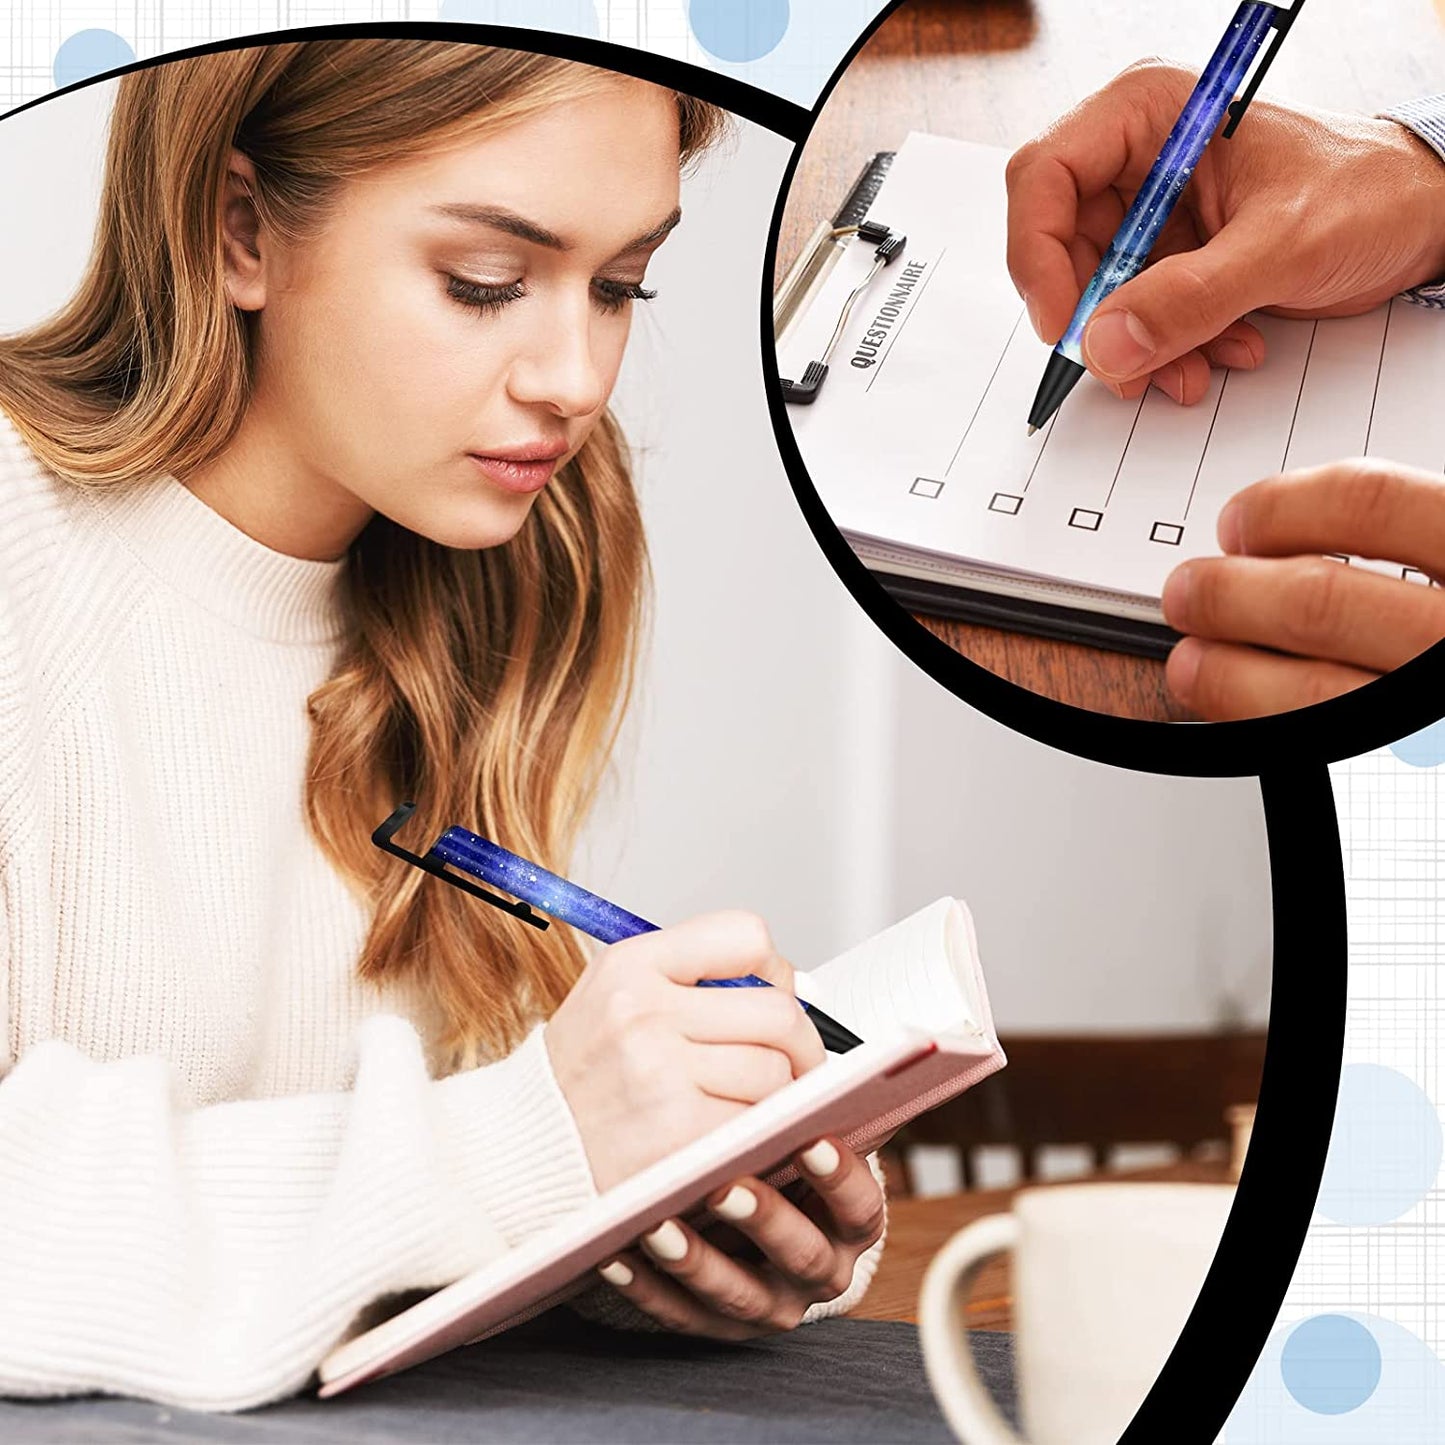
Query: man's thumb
x,y
1180,302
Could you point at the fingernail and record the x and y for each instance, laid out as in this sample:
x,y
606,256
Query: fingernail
x,y
1034,321
616,1273
667,1241
1229,528
822,1159
738,1203
1183,668
1233,353
1171,382
1176,597
1117,344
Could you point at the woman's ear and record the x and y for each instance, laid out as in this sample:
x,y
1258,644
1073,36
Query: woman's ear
x,y
241,240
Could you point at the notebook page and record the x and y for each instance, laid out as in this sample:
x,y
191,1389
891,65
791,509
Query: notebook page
x,y
919,435
917,974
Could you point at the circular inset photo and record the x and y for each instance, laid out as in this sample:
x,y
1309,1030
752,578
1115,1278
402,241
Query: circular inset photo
x,y
1117,377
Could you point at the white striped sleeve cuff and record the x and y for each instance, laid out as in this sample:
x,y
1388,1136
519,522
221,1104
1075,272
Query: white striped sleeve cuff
x,y
1426,118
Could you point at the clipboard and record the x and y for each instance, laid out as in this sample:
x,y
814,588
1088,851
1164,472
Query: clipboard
x,y
987,607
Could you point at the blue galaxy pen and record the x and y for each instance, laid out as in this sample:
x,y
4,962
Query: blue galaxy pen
x,y
1165,183
593,915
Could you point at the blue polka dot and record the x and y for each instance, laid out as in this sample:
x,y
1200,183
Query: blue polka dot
x,y
90,52
1424,749
1385,1148
1405,1407
562,17
738,29
1330,1364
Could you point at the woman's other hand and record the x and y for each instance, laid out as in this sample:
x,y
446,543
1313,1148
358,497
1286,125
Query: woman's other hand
x,y
804,1253
1275,623
648,1062
1300,213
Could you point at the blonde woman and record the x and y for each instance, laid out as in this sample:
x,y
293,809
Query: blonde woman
x,y
310,502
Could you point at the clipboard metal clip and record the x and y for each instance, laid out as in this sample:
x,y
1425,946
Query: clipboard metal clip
x,y
429,862
886,245
1283,19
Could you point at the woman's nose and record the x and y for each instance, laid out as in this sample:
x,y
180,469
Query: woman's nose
x,y
560,370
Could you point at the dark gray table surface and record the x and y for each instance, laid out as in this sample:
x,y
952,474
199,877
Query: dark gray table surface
x,y
561,1380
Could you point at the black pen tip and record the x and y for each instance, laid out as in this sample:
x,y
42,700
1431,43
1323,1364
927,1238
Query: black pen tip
x,y
1060,377
836,1039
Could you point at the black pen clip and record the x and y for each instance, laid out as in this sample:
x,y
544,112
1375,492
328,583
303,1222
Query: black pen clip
x,y
1283,19
429,862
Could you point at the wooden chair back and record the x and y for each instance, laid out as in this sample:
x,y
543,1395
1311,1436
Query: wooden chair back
x,y
1096,1090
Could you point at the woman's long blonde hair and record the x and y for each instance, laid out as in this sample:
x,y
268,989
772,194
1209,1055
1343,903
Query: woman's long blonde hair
x,y
486,685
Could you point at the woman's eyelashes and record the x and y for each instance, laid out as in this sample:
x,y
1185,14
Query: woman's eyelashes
x,y
608,295
614,295
482,297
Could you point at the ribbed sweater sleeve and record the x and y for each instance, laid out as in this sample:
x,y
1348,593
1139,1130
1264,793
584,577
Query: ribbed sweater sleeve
x,y
208,1258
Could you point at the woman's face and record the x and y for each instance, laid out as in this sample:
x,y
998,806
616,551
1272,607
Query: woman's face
x,y
450,335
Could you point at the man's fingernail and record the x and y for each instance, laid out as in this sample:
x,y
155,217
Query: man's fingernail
x,y
738,1203
616,1273
1183,668
1117,344
1233,353
1229,528
1171,382
1034,321
667,1241
821,1159
1176,597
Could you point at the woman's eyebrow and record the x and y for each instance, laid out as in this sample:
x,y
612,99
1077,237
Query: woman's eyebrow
x,y
501,219
656,233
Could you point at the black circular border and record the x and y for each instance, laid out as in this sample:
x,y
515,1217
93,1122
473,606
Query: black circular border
x,y
1239,1302
783,117
1242,1293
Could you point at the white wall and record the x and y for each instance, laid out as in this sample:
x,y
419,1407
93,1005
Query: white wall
x,y
783,756
51,159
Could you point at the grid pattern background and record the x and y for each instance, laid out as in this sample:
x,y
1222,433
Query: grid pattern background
x,y
1391,836
818,34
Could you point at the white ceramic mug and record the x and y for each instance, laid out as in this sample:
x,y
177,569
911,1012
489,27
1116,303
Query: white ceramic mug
x,y
1104,1277
1241,1123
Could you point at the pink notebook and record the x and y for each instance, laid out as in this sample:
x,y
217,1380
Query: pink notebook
x,y
914,993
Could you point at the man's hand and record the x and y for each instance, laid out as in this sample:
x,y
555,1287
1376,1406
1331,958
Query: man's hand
x,y
1299,213
1275,624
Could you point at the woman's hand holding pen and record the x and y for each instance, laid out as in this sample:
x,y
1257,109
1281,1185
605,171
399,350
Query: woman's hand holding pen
x,y
1300,213
648,1062
1275,624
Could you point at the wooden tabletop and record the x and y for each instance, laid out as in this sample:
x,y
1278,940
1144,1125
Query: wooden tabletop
x,y
919,1227
998,72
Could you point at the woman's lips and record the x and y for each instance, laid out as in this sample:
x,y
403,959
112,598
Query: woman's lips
x,y
517,474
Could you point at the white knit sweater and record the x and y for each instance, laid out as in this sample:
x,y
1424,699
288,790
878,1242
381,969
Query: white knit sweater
x,y
216,1146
